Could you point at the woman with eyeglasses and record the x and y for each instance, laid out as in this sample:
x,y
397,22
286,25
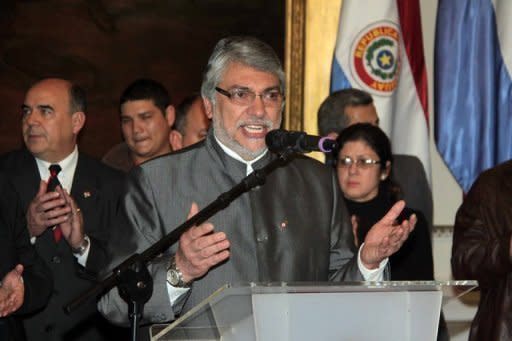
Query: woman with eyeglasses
x,y
363,167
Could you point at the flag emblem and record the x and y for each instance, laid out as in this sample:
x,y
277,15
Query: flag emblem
x,y
379,49
375,58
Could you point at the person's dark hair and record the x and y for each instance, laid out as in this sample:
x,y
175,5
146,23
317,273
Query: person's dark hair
x,y
377,140
146,89
331,115
182,110
77,98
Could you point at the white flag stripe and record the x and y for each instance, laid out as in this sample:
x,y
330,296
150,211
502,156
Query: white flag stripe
x,y
400,111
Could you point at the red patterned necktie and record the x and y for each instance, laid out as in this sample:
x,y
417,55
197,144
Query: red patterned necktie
x,y
53,182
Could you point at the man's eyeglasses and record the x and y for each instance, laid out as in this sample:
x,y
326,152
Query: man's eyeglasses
x,y
362,163
245,97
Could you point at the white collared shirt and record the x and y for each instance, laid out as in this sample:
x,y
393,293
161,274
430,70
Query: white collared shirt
x,y
65,176
67,173
237,157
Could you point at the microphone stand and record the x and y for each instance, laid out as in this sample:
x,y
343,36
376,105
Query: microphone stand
x,y
132,276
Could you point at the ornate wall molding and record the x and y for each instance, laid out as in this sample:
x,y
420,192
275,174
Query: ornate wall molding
x,y
294,63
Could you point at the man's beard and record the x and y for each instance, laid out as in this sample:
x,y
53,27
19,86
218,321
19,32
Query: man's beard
x,y
222,134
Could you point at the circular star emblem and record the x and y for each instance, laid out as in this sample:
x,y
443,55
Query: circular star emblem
x,y
375,58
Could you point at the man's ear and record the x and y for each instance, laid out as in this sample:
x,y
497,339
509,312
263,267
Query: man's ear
x,y
208,107
332,135
77,121
170,115
176,140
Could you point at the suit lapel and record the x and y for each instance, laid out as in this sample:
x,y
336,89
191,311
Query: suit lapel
x,y
27,178
84,189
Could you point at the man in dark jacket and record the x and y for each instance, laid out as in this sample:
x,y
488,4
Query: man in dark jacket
x,y
146,117
482,250
70,226
26,283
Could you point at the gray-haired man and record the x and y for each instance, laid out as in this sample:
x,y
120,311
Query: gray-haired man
x,y
289,229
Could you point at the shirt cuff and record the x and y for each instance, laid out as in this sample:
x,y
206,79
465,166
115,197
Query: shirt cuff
x,y
82,259
175,293
371,275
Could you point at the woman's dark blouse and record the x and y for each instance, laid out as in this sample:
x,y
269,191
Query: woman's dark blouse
x,y
414,259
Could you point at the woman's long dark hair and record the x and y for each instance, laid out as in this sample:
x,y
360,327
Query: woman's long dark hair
x,y
377,140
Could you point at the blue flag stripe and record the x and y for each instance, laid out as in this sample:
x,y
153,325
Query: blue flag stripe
x,y
338,79
472,90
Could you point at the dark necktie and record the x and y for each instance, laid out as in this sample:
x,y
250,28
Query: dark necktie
x,y
53,182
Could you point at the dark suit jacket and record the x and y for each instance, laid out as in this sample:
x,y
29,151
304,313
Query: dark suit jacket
x,y
15,249
96,189
119,157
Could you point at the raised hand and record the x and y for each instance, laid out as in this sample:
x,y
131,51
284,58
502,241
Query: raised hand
x,y
45,210
200,248
386,236
12,291
72,227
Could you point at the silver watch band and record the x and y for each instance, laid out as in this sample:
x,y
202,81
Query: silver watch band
x,y
175,276
83,247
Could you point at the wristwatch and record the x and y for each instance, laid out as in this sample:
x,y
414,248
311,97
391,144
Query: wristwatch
x,y
80,250
174,275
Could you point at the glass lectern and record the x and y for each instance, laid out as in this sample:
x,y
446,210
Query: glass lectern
x,y
317,311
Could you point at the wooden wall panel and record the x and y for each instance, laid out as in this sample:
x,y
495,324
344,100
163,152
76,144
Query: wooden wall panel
x,y
104,45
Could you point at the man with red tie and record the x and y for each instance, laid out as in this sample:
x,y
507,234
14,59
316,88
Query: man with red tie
x,y
70,202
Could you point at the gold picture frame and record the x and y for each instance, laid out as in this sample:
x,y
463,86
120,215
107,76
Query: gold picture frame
x,y
311,30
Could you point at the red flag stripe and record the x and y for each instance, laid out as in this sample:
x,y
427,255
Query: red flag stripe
x,y
410,22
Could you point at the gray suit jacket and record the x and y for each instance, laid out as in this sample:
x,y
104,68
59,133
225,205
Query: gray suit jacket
x,y
293,228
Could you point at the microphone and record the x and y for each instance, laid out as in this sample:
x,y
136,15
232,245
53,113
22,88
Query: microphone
x,y
279,140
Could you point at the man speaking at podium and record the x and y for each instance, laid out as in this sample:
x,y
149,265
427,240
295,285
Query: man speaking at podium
x,y
293,228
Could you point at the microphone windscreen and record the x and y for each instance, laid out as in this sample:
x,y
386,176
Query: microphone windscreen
x,y
276,140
